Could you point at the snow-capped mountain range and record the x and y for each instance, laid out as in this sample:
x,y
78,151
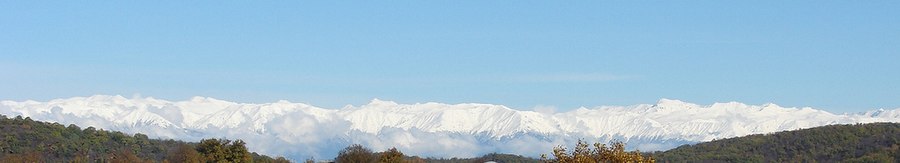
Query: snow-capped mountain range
x,y
301,131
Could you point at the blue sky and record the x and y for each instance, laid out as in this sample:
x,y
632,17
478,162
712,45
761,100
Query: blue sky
x,y
841,56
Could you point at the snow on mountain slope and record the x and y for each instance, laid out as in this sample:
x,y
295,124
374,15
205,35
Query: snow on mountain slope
x,y
430,129
494,120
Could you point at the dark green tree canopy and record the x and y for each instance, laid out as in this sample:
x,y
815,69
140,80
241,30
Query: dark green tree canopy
x,y
873,142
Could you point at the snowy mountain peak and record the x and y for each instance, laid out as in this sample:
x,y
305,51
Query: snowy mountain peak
x,y
669,103
381,103
882,113
729,105
107,98
201,99
771,105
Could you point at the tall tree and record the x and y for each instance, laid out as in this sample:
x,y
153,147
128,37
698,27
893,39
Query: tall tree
x,y
238,152
184,153
355,154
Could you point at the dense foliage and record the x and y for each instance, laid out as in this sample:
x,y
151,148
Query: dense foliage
x,y
391,155
355,153
582,153
26,140
874,142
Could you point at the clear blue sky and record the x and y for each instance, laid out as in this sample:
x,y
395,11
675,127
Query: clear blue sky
x,y
841,56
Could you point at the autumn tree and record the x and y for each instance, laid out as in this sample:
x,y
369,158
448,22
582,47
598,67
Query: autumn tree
x,y
391,156
184,153
583,153
355,154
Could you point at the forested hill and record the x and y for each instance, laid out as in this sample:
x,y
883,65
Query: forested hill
x,y
26,140
874,142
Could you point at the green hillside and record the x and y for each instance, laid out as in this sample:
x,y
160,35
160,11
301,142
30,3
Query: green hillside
x,y
26,140
874,142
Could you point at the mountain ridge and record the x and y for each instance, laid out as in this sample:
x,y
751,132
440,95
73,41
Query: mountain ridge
x,y
439,127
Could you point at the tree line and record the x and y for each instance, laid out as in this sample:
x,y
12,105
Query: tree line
x,y
26,140
360,154
582,153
